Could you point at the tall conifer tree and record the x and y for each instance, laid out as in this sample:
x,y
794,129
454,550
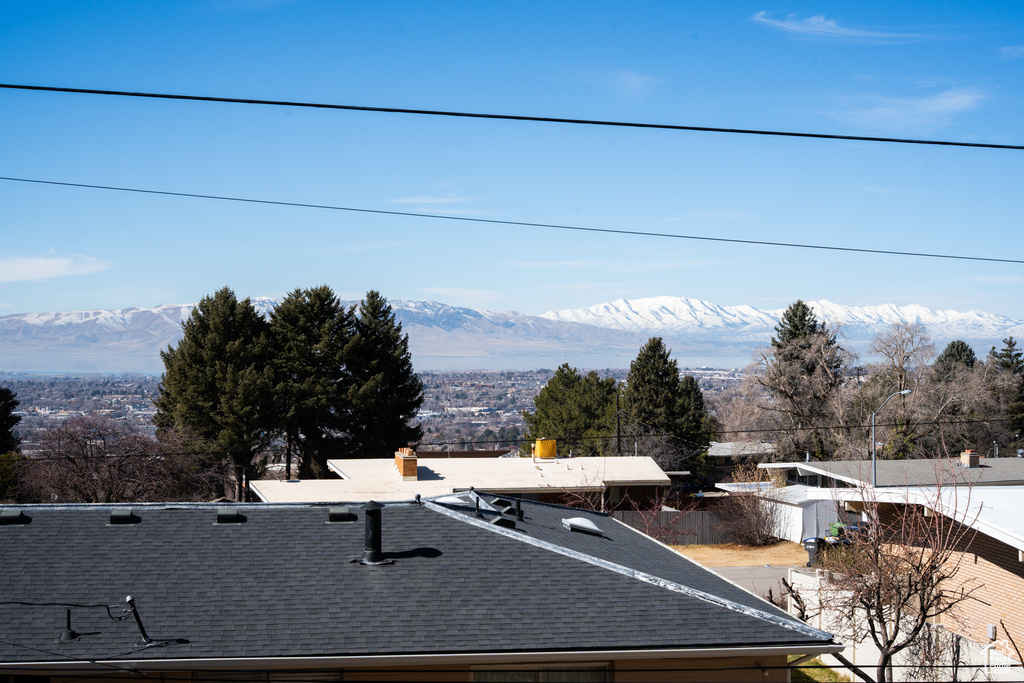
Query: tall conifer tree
x,y
1009,360
311,330
658,401
578,411
385,393
218,383
8,420
802,371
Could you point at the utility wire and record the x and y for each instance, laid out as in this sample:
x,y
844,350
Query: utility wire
x,y
506,117
521,224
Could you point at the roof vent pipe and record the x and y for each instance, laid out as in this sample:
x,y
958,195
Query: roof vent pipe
x,y
145,640
372,545
68,634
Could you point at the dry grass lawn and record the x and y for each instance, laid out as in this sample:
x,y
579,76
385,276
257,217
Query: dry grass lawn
x,y
782,554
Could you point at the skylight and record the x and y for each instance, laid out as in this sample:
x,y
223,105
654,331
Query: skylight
x,y
582,525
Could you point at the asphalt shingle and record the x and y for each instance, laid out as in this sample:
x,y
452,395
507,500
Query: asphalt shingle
x,y
284,584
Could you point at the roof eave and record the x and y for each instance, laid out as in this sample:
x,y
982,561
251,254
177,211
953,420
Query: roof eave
x,y
399,660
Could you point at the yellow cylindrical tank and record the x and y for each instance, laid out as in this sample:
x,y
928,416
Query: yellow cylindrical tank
x,y
545,448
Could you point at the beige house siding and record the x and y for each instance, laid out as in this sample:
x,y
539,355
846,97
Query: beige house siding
x,y
768,669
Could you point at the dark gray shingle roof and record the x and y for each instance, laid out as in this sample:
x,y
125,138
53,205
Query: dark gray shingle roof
x,y
920,472
282,584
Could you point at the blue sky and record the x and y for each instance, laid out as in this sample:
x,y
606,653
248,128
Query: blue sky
x,y
910,70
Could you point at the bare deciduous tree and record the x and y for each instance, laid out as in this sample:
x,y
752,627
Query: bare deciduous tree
x,y
906,351
93,459
900,572
749,515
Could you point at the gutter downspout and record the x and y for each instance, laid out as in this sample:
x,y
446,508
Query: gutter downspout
x,y
987,649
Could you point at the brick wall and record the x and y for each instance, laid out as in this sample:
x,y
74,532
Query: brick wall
x,y
992,568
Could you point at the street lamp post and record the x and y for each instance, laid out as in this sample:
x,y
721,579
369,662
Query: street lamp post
x,y
874,444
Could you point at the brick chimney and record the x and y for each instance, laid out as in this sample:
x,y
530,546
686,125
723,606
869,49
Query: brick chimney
x,y
970,459
405,463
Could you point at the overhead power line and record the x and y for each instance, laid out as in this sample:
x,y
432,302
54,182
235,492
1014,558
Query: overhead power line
x,y
505,117
520,224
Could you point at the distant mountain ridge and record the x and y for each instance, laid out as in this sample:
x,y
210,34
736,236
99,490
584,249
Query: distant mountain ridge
x,y
130,339
666,315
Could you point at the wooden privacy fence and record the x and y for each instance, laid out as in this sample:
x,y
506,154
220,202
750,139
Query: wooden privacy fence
x,y
695,527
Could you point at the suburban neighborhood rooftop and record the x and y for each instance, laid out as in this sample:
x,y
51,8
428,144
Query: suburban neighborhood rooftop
x,y
379,479
270,584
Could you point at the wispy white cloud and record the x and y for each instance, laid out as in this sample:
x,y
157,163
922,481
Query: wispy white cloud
x,y
49,267
932,111
819,26
1012,52
443,202
454,212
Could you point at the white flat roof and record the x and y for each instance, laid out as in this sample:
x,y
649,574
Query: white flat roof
x,y
378,479
991,510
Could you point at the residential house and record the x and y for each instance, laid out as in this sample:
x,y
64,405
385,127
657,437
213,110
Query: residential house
x,y
463,587
606,479
983,493
725,456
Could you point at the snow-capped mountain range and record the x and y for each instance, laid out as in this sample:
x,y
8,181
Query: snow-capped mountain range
x,y
666,315
130,339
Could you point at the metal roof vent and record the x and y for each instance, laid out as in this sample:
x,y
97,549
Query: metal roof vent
x,y
123,516
229,516
340,515
503,522
14,517
373,553
582,525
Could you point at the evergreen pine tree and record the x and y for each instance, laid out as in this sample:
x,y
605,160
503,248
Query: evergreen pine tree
x,y
696,426
658,402
311,330
798,322
1008,358
802,371
385,392
217,382
1010,361
956,354
578,411
8,420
